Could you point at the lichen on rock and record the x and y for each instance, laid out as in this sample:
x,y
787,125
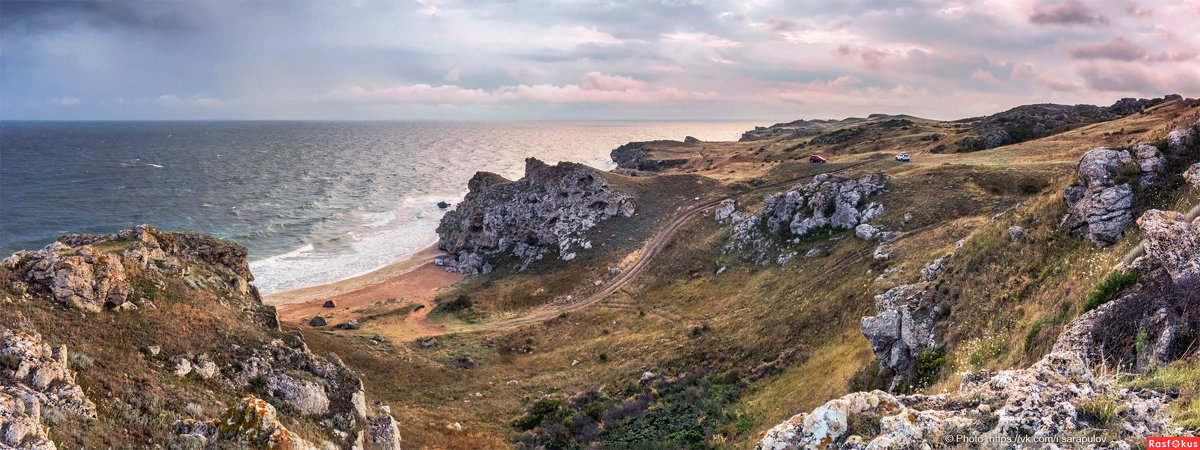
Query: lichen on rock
x,y
252,421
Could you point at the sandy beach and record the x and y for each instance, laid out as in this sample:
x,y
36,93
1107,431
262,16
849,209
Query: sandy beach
x,y
416,280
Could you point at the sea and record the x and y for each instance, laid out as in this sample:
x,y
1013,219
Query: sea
x,y
314,202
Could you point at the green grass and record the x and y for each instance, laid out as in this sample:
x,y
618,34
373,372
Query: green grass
x,y
1100,411
1181,377
1108,289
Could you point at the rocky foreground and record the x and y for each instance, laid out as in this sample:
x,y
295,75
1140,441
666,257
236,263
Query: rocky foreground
x,y
160,279
1061,396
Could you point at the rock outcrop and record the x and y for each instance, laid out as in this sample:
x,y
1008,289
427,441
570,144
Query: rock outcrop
x,y
1098,209
35,377
901,329
826,201
634,155
75,276
1173,243
251,422
793,129
384,433
1152,165
78,271
996,409
548,210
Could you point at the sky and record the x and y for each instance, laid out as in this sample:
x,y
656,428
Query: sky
x,y
585,59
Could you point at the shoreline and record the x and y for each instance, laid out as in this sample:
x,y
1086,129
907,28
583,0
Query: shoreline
x,y
414,266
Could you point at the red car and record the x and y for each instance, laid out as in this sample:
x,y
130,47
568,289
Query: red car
x,y
816,159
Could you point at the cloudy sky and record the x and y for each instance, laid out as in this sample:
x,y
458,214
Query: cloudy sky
x,y
586,59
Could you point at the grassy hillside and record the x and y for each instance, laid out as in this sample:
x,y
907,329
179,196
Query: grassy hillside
x,y
734,347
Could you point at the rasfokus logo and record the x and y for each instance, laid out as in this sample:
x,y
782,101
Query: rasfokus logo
x,y
1173,442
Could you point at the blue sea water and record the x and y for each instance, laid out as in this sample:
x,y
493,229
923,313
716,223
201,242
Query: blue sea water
x,y
315,202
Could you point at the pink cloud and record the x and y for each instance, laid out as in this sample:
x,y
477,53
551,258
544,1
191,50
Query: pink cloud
x,y
1070,12
597,80
596,88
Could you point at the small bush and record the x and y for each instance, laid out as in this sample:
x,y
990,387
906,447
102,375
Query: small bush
x,y
1108,289
461,303
194,410
1101,411
80,361
929,365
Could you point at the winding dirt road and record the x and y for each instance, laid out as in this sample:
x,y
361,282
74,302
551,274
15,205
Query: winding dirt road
x,y
653,247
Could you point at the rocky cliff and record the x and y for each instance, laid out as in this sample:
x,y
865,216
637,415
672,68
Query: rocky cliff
x,y
547,211
172,313
635,155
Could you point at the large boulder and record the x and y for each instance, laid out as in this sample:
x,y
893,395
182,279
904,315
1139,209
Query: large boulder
x,y
549,209
306,396
1173,243
1152,165
384,433
901,329
1098,209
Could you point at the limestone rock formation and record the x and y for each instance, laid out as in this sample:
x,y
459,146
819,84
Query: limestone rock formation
x,y
307,397
901,329
35,377
1041,400
547,210
1173,243
1038,401
76,276
1152,165
865,232
1098,209
826,201
633,156
931,272
76,271
726,211
251,422
384,433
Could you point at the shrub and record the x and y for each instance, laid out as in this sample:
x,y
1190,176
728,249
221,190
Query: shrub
x,y
460,303
929,365
1108,289
80,361
1100,410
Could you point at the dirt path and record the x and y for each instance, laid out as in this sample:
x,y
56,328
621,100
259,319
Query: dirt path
x,y
652,248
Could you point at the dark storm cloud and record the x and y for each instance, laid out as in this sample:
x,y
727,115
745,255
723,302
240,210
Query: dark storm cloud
x,y
517,59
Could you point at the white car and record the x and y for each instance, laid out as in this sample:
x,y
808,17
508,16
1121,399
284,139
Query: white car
x,y
903,156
